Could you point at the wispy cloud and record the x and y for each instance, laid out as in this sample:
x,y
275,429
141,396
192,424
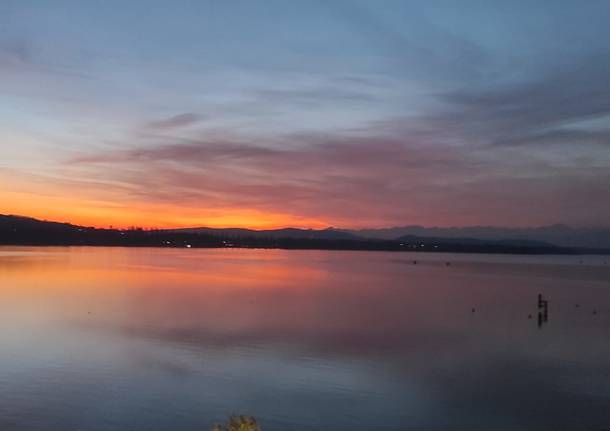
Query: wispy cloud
x,y
181,120
534,110
374,179
356,115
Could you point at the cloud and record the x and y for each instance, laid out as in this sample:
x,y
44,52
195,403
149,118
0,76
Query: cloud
x,y
358,179
373,116
181,120
415,46
533,110
517,153
559,136
12,52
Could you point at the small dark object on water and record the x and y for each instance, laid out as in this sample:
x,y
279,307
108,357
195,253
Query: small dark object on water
x,y
473,310
448,263
414,262
529,316
577,305
594,311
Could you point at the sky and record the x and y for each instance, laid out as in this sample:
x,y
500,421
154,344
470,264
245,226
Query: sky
x,y
269,113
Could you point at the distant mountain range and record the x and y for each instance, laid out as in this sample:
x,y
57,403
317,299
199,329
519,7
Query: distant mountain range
x,y
271,233
560,235
338,234
554,239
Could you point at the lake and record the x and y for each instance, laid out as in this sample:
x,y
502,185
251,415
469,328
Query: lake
x,y
123,339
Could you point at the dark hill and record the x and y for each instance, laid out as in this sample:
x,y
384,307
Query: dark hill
x,y
15,230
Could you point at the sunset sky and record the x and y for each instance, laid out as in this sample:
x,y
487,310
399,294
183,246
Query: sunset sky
x,y
316,113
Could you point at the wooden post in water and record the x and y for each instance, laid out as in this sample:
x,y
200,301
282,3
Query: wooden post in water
x,y
543,310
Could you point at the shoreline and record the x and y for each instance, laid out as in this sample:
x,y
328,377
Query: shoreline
x,y
376,246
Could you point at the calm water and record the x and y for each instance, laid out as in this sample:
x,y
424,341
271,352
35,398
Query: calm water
x,y
151,339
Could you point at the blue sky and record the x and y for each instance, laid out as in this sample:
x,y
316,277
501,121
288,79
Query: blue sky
x,y
352,113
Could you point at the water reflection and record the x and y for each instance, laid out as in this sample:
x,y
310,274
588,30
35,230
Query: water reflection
x,y
114,339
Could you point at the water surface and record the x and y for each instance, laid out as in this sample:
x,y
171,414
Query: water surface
x,y
107,339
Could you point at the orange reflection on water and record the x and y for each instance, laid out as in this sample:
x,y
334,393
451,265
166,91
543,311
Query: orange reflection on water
x,y
143,287
340,299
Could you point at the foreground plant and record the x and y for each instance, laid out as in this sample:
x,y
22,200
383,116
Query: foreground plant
x,y
238,423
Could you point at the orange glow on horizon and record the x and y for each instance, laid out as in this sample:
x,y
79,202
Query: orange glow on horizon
x,y
100,214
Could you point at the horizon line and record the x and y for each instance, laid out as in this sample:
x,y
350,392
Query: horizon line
x,y
153,228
